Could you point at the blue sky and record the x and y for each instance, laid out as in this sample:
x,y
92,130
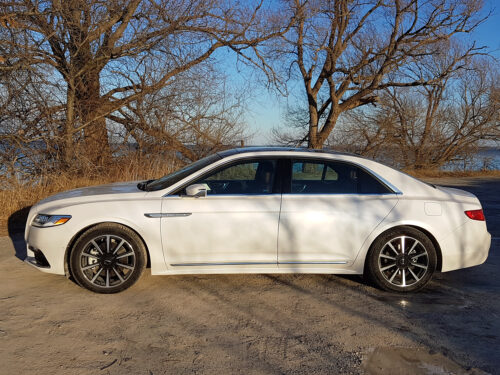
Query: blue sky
x,y
266,109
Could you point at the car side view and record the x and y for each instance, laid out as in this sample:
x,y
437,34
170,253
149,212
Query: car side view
x,y
260,210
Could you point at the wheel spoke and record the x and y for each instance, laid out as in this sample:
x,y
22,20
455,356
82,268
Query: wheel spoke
x,y
124,266
387,267
90,266
131,253
403,245
403,283
393,248
96,275
413,246
117,274
119,246
96,246
89,255
107,243
419,265
418,256
387,257
393,276
107,278
414,275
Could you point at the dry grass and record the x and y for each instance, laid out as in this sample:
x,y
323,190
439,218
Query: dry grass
x,y
17,198
426,173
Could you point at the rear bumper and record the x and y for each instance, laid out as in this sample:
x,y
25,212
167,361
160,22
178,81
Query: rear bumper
x,y
467,246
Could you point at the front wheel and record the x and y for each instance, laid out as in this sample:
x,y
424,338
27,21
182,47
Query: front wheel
x,y
401,260
108,258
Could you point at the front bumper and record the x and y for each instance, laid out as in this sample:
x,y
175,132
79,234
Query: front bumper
x,y
46,248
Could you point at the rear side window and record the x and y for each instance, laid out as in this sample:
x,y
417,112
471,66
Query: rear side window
x,y
313,177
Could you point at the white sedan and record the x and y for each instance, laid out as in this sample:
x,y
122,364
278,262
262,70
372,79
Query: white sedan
x,y
260,210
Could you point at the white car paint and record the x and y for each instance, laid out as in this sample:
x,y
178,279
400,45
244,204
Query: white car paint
x,y
221,229
273,233
322,229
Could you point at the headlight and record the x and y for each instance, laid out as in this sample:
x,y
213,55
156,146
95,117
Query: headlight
x,y
42,220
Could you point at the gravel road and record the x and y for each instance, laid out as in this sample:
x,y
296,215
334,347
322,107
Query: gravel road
x,y
254,324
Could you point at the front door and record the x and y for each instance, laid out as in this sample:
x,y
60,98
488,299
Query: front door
x,y
236,224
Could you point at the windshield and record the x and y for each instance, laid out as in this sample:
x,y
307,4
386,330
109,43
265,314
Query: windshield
x,y
176,176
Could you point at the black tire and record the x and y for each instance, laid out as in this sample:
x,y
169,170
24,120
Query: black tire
x,y
107,258
409,270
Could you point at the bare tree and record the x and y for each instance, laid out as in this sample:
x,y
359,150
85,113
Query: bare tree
x,y
348,51
196,115
29,114
110,53
429,126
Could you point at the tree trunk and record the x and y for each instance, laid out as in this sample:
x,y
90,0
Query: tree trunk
x,y
65,145
313,140
317,137
97,149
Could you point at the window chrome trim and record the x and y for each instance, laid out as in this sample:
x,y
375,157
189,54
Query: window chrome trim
x,y
383,180
219,165
223,196
376,176
287,155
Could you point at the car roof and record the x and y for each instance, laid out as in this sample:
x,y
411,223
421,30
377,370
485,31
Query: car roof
x,y
243,150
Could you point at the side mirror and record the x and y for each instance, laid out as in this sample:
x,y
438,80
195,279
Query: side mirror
x,y
197,190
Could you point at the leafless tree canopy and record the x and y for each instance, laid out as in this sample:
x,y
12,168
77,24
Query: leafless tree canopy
x,y
427,127
194,116
346,52
97,61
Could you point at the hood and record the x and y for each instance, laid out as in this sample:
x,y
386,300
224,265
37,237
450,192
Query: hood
x,y
125,190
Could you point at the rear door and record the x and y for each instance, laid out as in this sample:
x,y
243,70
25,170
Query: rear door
x,y
328,210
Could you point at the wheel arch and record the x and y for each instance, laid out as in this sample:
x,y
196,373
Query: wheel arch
x,y
428,234
69,247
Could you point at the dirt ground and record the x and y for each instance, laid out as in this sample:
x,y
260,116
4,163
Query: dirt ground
x,y
254,324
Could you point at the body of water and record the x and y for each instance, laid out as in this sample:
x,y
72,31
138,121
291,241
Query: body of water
x,y
484,159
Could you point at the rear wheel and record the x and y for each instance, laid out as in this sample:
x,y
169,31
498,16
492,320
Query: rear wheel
x,y
401,260
108,258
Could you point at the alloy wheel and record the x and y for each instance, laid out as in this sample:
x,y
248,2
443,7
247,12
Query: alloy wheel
x,y
107,261
403,261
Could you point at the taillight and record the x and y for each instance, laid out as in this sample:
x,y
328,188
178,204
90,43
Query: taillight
x,y
475,214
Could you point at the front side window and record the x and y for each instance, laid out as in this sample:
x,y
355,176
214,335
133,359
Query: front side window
x,y
312,177
172,178
249,177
